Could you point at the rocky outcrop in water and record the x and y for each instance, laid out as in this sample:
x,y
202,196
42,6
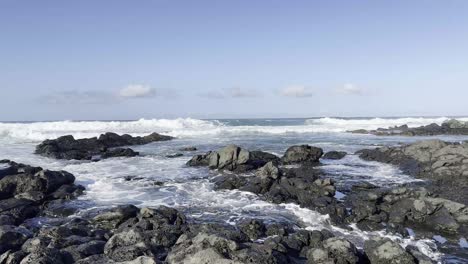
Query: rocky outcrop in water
x,y
373,208
106,146
233,158
237,159
444,164
25,190
302,186
335,155
302,154
450,127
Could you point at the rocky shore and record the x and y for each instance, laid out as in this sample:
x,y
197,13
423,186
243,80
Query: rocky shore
x,y
131,235
444,164
106,146
450,127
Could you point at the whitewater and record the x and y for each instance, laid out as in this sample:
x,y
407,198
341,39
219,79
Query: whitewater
x,y
190,189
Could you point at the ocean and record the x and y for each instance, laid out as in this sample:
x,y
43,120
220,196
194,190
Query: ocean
x,y
158,180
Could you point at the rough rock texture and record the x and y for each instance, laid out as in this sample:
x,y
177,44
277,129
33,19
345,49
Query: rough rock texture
x,y
106,146
298,185
128,235
386,251
233,158
446,164
151,233
302,154
415,207
450,127
24,190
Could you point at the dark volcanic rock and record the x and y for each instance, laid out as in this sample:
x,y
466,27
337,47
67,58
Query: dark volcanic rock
x,y
385,251
106,146
445,164
335,155
302,154
151,233
299,185
414,207
25,189
233,158
450,127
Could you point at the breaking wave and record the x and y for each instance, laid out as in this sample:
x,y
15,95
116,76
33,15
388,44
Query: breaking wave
x,y
189,127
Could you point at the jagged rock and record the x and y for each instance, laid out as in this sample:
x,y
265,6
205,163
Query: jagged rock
x,y
12,237
114,217
385,251
12,257
24,190
302,154
254,229
152,233
333,250
298,185
233,158
270,170
444,163
46,256
106,146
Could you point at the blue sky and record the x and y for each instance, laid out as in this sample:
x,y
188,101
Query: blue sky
x,y
212,59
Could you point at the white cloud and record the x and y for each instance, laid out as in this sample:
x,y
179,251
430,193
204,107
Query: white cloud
x,y
298,91
137,91
350,89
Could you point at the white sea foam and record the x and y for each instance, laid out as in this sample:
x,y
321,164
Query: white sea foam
x,y
341,125
189,127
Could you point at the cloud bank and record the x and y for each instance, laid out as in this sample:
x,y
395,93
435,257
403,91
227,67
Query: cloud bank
x,y
350,89
137,91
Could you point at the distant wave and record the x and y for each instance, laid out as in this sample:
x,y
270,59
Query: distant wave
x,y
341,125
189,127
81,129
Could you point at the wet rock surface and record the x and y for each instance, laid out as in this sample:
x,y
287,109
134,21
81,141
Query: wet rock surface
x,y
132,235
444,164
106,146
233,158
302,186
25,190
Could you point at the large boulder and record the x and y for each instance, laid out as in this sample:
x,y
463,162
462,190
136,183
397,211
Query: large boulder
x,y
106,146
12,237
302,154
151,233
233,158
333,250
415,207
24,190
386,251
446,164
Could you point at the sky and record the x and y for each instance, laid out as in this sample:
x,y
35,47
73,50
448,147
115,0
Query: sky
x,y
121,60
